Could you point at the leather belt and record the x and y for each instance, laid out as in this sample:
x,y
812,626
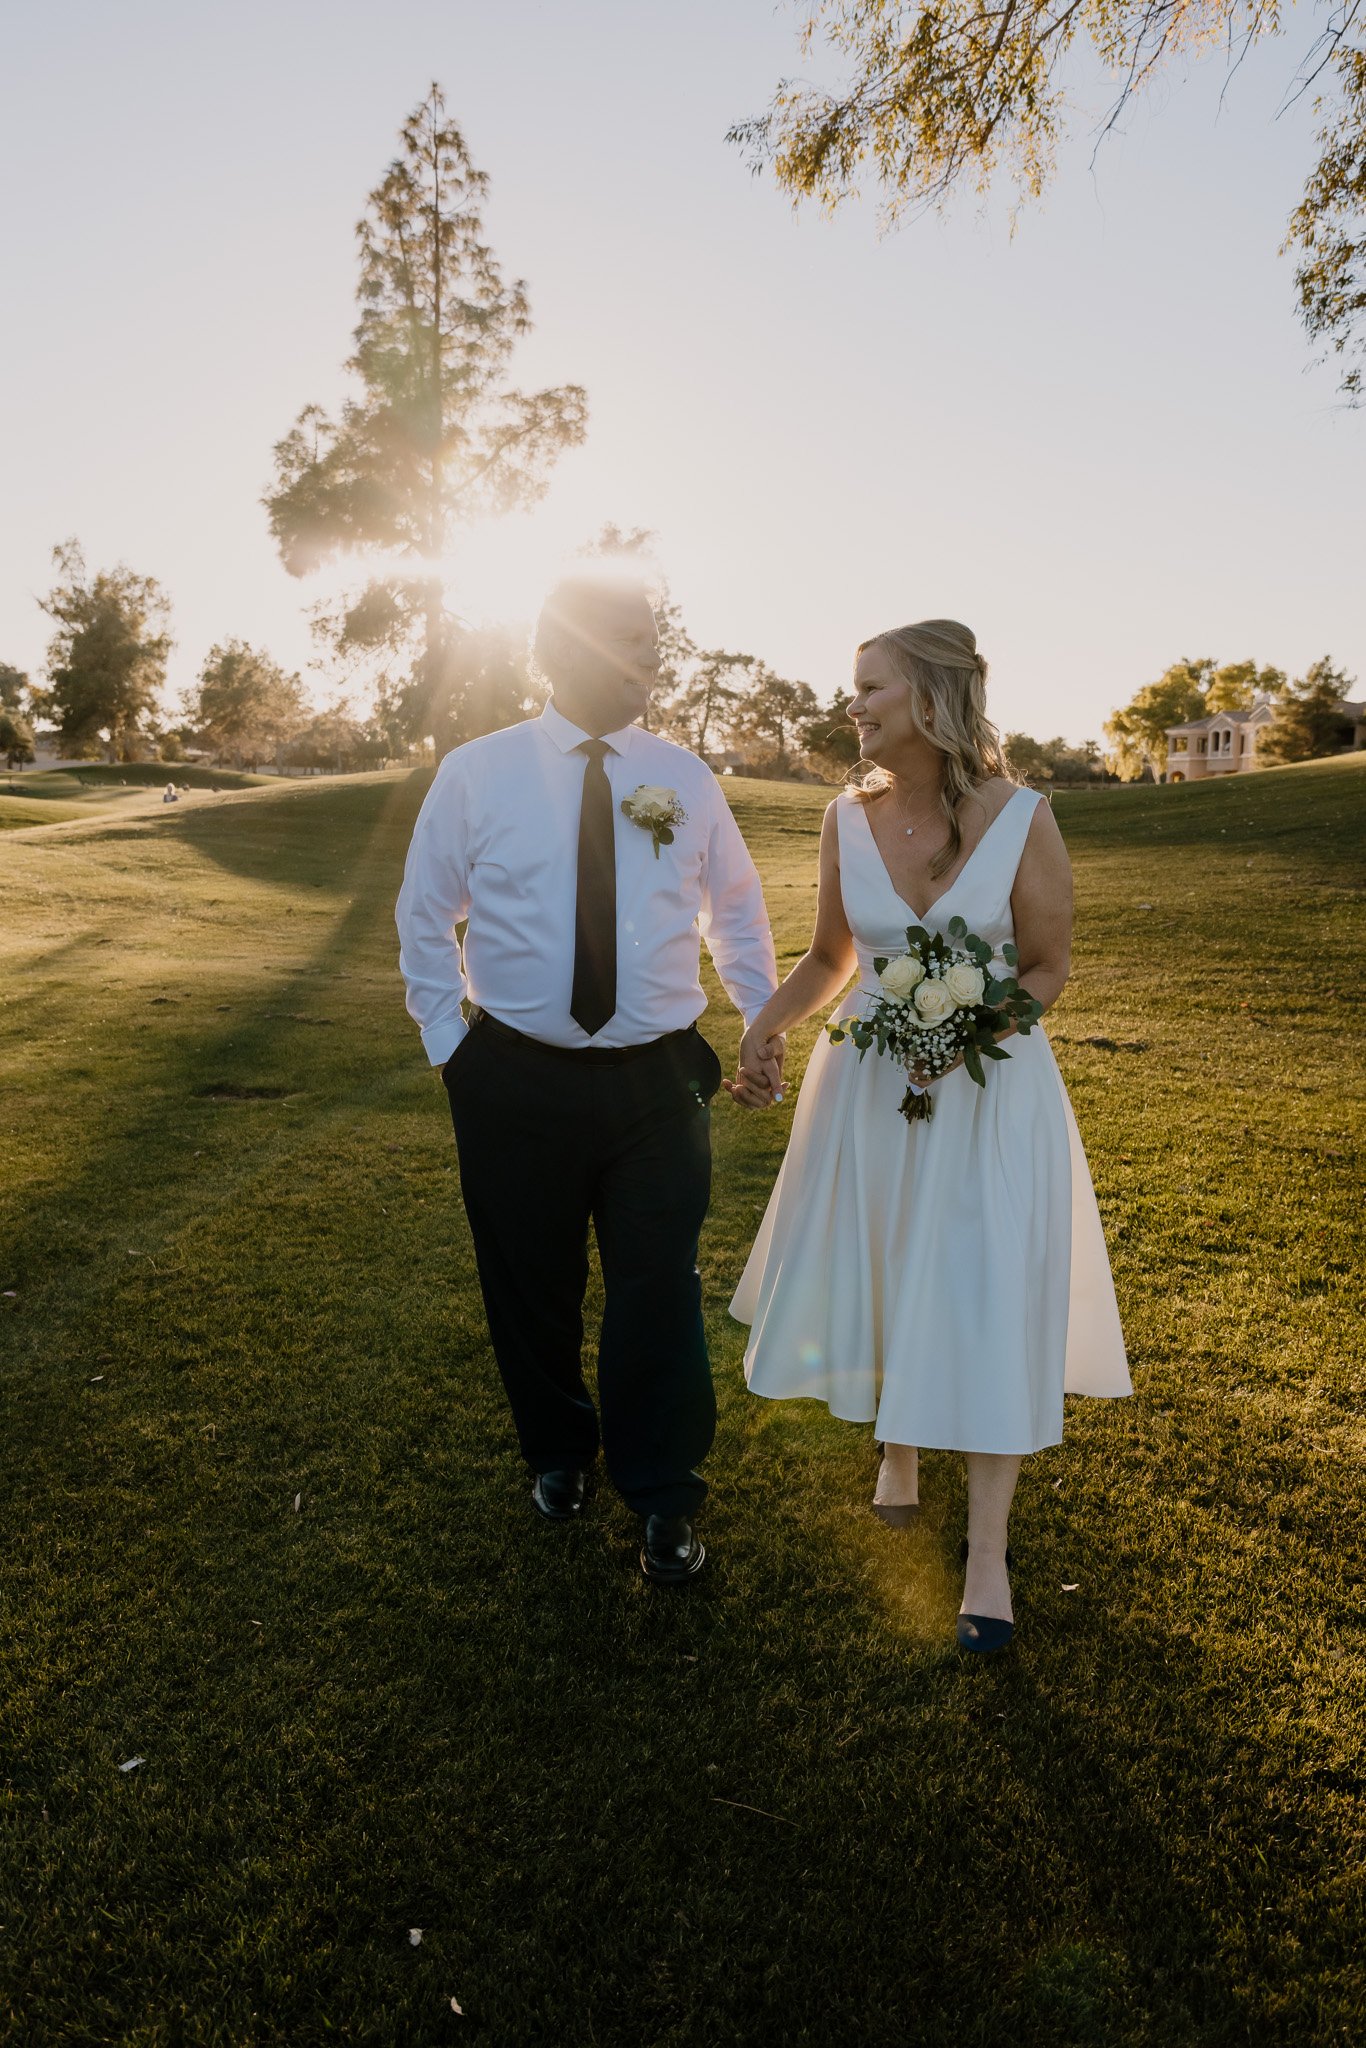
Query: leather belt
x,y
586,1055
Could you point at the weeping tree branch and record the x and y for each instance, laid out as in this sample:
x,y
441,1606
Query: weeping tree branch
x,y
947,95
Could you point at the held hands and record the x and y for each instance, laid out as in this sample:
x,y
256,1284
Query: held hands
x,y
758,1083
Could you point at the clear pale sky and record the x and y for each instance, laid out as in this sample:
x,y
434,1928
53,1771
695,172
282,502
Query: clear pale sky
x,y
1101,443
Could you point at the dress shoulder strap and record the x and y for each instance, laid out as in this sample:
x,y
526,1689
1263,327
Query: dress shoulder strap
x,y
847,825
1009,830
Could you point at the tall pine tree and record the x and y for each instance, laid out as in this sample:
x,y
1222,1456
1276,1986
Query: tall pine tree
x,y
436,437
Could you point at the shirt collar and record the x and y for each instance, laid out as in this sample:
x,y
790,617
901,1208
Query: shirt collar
x,y
557,727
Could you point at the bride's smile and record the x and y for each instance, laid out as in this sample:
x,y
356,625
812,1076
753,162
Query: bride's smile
x,y
882,713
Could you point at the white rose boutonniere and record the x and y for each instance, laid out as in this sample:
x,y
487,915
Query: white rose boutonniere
x,y
657,811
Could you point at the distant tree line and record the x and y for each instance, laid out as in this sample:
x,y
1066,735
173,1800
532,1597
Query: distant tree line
x,y
105,690
105,687
1308,722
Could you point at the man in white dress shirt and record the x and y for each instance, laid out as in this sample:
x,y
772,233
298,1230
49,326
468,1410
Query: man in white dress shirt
x,y
579,1086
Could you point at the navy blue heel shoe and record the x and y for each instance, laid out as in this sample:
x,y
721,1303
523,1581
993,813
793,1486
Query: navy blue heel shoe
x,y
983,1633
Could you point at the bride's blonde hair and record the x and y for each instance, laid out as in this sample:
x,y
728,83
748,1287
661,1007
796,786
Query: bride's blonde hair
x,y
946,676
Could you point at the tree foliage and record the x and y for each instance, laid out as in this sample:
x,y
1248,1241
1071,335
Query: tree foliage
x,y
106,662
1309,719
244,707
1328,227
773,713
830,739
1054,760
436,436
490,684
337,740
1237,685
711,699
1137,732
946,95
16,738
16,734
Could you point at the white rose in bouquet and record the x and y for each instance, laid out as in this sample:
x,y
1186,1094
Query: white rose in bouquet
x,y
901,977
965,984
933,1002
652,796
925,1013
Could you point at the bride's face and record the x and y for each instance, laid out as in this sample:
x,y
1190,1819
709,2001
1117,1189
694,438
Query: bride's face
x,y
881,708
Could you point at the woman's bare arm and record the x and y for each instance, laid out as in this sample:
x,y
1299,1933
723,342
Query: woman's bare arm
x,y
1041,907
817,979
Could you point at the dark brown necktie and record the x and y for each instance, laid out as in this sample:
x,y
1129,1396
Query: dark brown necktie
x,y
594,996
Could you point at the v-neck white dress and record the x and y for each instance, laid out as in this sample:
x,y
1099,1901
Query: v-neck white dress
x,y
947,1279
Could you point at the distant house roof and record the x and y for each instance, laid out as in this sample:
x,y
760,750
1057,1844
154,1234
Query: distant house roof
x,y
1262,709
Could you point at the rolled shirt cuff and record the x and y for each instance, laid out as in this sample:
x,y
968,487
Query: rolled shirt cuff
x,y
440,1040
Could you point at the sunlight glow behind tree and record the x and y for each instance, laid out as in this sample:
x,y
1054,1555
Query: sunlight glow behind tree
x,y
437,438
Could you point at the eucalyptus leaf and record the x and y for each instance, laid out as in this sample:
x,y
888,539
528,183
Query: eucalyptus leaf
x,y
972,1060
995,1052
1010,954
957,928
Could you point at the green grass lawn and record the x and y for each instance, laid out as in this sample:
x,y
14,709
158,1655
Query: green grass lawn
x,y
265,1527
54,796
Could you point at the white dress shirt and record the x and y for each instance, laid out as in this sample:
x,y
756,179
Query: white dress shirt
x,y
496,842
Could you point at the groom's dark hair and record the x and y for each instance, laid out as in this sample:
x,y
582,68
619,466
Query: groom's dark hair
x,y
574,604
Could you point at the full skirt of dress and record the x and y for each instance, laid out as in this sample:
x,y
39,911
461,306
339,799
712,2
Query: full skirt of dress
x,y
946,1279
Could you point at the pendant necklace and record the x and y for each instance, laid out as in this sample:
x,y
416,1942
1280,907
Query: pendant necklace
x,y
919,821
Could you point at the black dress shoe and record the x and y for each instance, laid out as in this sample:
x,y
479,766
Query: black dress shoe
x,y
672,1552
559,1495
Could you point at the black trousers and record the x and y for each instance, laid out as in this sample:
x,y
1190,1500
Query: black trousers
x,y
550,1142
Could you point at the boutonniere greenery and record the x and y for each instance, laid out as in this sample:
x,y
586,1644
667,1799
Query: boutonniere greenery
x,y
656,811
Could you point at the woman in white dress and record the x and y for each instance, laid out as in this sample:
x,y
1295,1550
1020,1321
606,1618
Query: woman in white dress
x,y
945,1278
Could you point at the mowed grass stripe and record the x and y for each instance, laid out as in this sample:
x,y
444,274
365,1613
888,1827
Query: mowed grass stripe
x,y
241,1276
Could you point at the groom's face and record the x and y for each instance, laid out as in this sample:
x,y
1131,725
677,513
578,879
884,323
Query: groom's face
x,y
606,661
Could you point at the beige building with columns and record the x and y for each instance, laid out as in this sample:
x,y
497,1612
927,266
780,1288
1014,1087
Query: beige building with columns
x,y
1225,743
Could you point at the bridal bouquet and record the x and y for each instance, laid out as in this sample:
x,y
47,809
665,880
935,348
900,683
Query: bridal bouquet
x,y
938,1000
